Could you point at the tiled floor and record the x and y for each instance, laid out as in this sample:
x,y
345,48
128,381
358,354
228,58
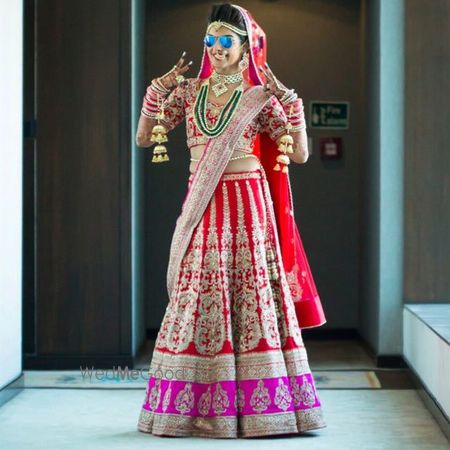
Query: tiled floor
x,y
377,418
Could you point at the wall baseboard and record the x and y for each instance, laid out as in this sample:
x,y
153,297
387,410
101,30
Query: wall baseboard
x,y
11,390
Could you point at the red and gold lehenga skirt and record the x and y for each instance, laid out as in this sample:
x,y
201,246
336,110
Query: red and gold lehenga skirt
x,y
229,359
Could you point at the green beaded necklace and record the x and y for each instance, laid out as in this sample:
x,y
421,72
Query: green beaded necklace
x,y
225,115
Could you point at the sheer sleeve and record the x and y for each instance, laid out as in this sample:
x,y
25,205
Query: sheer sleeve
x,y
174,106
272,119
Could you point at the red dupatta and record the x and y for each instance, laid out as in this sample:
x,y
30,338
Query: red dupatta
x,y
307,303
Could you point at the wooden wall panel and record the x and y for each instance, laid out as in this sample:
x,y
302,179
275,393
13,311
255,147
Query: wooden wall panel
x,y
427,151
82,182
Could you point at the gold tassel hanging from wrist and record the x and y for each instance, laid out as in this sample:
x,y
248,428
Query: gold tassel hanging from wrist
x,y
285,146
159,135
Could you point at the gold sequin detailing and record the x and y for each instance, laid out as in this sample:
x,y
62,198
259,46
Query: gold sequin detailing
x,y
210,330
184,400
237,176
246,326
260,399
220,400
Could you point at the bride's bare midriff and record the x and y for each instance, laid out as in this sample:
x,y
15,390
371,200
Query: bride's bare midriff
x,y
239,165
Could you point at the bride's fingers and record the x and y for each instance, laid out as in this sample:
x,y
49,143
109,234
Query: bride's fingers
x,y
270,82
185,68
180,61
269,70
268,76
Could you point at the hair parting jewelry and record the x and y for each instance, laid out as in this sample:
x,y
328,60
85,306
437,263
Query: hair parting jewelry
x,y
219,23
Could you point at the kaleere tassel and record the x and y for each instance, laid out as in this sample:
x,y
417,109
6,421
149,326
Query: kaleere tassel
x,y
285,146
159,135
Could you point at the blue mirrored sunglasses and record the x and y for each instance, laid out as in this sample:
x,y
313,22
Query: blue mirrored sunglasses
x,y
224,40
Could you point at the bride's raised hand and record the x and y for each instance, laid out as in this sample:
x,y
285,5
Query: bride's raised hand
x,y
273,84
169,79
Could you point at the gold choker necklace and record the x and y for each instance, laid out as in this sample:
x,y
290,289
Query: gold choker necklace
x,y
222,80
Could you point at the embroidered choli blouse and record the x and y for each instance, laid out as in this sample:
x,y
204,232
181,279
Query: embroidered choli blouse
x,y
179,104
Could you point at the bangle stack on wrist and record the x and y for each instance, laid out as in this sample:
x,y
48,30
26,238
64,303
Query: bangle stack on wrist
x,y
153,108
297,118
150,102
293,106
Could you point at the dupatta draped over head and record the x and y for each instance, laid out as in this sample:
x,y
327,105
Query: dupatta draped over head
x,y
307,303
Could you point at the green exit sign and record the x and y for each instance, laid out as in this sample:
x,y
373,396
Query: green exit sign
x,y
329,115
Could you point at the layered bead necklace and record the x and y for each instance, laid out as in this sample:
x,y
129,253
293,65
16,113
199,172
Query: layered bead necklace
x,y
225,115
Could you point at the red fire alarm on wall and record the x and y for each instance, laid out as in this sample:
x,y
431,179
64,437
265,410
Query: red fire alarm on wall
x,y
330,148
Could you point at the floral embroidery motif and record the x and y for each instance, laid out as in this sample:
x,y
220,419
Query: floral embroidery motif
x,y
210,330
296,393
282,284
204,402
260,399
307,393
239,401
184,400
272,119
166,399
220,400
283,398
268,314
294,285
155,394
177,327
226,258
247,330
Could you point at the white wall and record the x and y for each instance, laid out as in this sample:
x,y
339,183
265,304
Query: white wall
x,y
428,354
11,57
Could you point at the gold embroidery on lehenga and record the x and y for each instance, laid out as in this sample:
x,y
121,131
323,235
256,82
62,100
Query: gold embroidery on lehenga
x,y
260,399
294,285
155,394
225,426
220,401
307,392
283,398
241,176
166,399
226,258
295,389
210,330
281,285
231,366
178,331
204,402
177,327
246,326
268,317
239,401
184,400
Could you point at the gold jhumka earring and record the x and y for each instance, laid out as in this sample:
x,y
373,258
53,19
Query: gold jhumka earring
x,y
159,135
285,146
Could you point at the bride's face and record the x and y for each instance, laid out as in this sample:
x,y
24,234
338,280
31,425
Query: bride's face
x,y
226,51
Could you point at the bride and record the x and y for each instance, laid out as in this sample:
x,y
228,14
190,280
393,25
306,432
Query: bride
x,y
229,358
